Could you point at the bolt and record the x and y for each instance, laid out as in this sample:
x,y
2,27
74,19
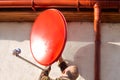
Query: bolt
x,y
16,51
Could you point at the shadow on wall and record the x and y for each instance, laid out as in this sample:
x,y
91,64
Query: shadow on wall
x,y
80,51
79,48
84,59
18,31
80,31
110,51
110,61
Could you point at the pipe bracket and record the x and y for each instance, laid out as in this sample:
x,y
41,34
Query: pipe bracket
x,y
78,5
33,5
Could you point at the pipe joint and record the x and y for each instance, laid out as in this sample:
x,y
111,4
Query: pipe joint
x,y
97,11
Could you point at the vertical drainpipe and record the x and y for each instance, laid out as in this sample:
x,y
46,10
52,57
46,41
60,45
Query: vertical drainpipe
x,y
97,21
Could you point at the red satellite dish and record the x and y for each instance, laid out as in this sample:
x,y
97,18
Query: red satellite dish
x,y
48,36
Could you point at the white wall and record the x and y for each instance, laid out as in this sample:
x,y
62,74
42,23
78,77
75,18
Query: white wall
x,y
79,50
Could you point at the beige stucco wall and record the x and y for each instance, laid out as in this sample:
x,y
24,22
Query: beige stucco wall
x,y
79,50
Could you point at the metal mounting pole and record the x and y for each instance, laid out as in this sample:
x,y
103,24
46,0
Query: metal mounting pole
x,y
16,52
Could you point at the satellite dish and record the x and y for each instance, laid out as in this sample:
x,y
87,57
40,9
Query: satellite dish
x,y
48,36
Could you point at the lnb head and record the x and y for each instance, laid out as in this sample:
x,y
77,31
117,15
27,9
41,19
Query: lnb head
x,y
16,51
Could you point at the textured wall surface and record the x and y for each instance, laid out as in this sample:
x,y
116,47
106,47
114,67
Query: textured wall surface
x,y
79,50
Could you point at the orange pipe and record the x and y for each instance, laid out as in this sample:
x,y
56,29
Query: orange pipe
x,y
37,3
102,3
15,3
58,3
97,21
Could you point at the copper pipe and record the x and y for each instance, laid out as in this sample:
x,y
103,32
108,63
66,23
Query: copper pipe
x,y
58,3
38,3
55,3
97,21
103,3
15,3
